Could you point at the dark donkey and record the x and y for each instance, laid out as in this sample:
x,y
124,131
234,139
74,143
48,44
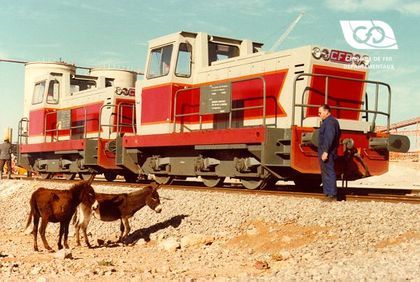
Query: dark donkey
x,y
111,207
58,206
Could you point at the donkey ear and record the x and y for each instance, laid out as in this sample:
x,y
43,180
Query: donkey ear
x,y
155,185
90,180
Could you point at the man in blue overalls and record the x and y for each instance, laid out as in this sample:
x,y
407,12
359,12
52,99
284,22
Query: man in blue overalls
x,y
329,138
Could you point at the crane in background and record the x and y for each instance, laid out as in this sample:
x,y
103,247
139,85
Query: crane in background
x,y
286,32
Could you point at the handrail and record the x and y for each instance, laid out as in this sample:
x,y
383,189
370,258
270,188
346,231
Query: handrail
x,y
120,124
263,106
21,135
71,128
327,77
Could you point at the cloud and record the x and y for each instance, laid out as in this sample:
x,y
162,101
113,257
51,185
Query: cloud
x,y
141,44
100,9
297,9
410,8
42,45
250,7
3,55
402,6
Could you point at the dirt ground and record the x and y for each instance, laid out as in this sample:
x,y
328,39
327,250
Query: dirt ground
x,y
217,236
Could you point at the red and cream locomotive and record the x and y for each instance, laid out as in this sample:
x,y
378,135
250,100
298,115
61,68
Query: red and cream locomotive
x,y
209,107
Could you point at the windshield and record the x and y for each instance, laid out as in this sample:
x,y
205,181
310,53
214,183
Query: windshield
x,y
160,61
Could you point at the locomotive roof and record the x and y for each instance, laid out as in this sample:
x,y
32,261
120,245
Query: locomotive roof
x,y
194,34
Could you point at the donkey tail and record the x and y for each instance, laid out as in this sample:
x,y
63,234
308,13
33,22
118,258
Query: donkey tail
x,y
31,213
74,220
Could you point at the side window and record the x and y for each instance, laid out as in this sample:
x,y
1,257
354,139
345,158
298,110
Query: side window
x,y
218,52
77,85
160,61
39,91
53,92
183,62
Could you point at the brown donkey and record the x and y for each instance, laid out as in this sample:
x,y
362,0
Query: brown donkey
x,y
110,207
58,206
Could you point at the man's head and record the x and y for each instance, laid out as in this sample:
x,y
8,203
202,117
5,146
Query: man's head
x,y
324,111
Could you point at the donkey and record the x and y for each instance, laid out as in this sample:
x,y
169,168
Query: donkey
x,y
111,207
58,206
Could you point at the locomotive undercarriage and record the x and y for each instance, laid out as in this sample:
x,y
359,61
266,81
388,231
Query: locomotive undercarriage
x,y
68,164
254,165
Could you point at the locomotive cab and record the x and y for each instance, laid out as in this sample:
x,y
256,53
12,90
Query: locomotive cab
x,y
67,114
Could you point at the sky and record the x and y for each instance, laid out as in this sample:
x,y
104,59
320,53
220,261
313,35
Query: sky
x,y
115,34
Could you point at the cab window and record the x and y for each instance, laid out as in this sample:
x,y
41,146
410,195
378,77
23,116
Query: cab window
x,y
160,61
77,85
39,91
183,62
218,52
53,92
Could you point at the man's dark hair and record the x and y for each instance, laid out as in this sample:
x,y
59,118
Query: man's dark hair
x,y
326,107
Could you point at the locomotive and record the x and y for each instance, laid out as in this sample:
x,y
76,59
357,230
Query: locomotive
x,y
210,107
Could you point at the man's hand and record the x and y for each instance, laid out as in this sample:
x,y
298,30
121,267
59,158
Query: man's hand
x,y
324,156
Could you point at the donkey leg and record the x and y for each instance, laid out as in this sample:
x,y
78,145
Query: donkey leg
x,y
126,227
35,232
42,229
122,230
66,233
86,219
60,236
84,228
77,234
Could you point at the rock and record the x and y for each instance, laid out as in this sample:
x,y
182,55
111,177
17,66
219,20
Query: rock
x,y
63,254
286,239
163,269
141,242
252,230
171,244
261,265
282,255
193,240
36,270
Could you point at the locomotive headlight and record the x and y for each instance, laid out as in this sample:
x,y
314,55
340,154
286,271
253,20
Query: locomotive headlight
x,y
118,91
366,60
325,54
316,53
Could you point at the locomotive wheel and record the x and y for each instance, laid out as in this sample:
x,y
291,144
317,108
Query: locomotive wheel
x,y
110,176
69,176
85,176
130,178
45,175
252,183
212,181
163,179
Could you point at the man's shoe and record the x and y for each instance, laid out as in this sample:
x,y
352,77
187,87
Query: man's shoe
x,y
330,198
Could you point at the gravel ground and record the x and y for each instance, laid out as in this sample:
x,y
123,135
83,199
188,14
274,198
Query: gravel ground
x,y
218,236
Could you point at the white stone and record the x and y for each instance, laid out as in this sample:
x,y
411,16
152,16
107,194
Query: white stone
x,y
170,244
192,240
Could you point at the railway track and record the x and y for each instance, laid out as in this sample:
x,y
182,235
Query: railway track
x,y
344,194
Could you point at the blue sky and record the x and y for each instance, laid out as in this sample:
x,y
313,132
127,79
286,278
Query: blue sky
x,y
115,33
